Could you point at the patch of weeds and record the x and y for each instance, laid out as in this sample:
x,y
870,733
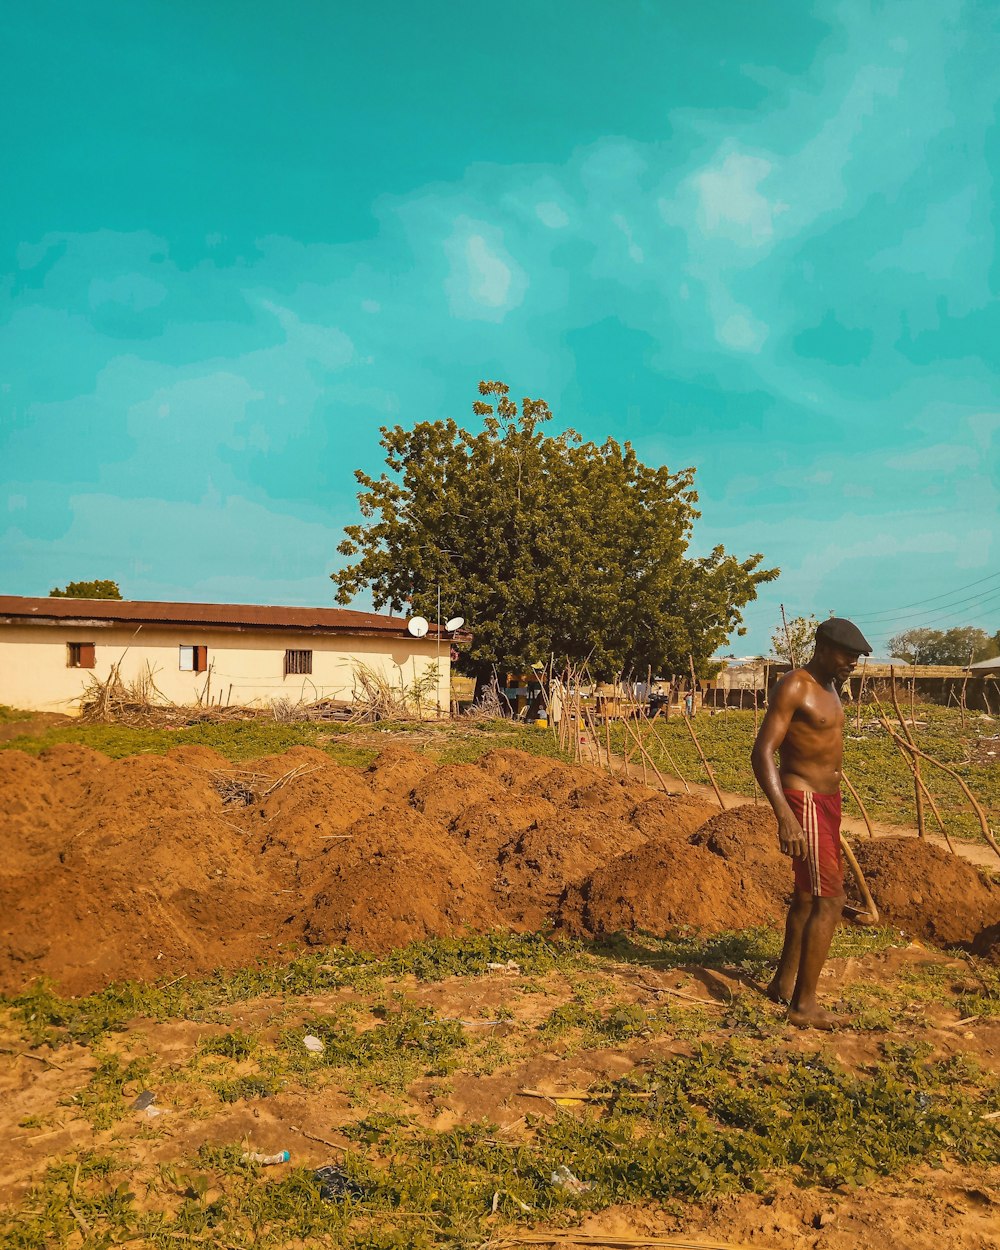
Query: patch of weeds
x,y
472,955
405,1043
260,1085
237,1044
102,1100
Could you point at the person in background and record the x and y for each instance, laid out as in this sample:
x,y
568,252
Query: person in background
x,y
804,724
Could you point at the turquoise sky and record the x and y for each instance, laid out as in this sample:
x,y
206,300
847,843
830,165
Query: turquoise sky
x,y
756,238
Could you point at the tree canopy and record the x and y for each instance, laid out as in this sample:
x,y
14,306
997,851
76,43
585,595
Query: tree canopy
x,y
87,590
939,646
545,544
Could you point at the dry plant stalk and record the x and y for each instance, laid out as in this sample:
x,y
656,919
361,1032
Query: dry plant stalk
x,y
138,702
918,787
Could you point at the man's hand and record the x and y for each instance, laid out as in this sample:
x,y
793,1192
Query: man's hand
x,y
791,838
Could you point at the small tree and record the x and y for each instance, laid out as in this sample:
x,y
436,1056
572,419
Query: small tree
x,y
87,590
802,634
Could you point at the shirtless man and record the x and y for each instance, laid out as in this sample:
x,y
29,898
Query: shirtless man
x,y
804,724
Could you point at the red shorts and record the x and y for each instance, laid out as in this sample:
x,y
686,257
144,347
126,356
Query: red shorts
x,y
820,872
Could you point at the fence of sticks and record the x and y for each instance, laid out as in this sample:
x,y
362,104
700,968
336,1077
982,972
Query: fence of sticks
x,y
583,732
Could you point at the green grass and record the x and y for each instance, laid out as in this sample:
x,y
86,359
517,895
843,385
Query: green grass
x,y
874,765
739,1111
239,741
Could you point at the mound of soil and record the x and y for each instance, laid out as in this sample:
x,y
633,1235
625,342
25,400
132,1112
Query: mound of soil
x,y
157,866
396,882
664,886
747,838
667,815
926,890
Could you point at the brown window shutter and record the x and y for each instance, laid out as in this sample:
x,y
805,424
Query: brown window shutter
x,y
200,659
87,659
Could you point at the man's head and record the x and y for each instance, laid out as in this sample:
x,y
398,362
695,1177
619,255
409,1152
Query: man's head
x,y
839,643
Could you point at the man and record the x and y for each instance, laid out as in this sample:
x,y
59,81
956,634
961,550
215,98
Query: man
x,y
804,724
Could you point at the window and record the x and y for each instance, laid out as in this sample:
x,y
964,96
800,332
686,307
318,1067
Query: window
x,y
193,659
298,662
80,654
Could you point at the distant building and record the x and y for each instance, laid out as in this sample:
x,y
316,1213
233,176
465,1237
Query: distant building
x,y
220,653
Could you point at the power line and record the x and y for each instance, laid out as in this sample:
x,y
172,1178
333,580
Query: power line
x,y
893,612
885,615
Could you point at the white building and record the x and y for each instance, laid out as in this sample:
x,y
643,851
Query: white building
x,y
221,653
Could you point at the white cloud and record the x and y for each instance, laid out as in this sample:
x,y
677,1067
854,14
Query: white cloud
x,y
550,214
484,282
730,203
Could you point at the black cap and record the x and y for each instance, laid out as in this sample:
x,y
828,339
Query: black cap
x,y
843,633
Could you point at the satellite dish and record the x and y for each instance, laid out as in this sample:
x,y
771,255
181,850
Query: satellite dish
x,y
417,625
456,622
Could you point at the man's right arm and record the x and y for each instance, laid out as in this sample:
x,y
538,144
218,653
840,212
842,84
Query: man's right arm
x,y
781,708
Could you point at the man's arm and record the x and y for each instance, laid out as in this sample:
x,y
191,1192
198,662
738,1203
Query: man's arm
x,y
780,710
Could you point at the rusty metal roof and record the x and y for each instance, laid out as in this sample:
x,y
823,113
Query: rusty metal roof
x,y
22,608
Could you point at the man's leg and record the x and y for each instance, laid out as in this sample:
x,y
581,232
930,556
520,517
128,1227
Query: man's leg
x,y
804,1009
783,982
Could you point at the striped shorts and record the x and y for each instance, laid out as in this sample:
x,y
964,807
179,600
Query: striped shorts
x,y
820,872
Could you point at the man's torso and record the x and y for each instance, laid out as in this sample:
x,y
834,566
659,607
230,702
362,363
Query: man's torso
x,y
812,753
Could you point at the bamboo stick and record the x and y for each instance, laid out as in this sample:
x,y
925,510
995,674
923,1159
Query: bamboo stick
x,y
708,766
615,1242
857,799
917,786
976,806
906,747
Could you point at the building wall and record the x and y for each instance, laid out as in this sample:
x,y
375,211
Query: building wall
x,y
246,667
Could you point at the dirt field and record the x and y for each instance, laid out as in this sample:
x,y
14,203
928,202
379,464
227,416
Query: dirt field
x,y
166,868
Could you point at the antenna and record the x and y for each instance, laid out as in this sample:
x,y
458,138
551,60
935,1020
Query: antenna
x,y
417,626
456,622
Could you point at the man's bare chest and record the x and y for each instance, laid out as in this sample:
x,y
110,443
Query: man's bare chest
x,y
821,712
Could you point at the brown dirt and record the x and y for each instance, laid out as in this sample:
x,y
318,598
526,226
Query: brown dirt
x,y
663,886
157,866
747,838
927,891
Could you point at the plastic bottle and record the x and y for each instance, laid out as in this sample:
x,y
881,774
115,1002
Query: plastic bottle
x,y
252,1156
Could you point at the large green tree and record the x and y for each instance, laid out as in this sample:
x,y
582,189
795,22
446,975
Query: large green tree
x,y
545,544
103,589
943,646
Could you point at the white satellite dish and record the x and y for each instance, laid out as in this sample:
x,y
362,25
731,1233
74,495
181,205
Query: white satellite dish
x,y
456,622
417,625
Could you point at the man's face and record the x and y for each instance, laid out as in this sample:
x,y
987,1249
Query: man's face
x,y
842,661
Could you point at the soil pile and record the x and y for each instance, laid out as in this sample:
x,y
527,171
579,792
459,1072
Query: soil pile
x,y
747,839
660,887
154,866
926,890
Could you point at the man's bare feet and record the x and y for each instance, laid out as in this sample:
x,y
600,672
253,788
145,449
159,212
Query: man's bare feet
x,y
817,1018
778,994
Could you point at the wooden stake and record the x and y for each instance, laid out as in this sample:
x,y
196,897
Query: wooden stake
x,y
976,806
694,686
857,799
917,787
788,638
918,778
708,766
661,742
